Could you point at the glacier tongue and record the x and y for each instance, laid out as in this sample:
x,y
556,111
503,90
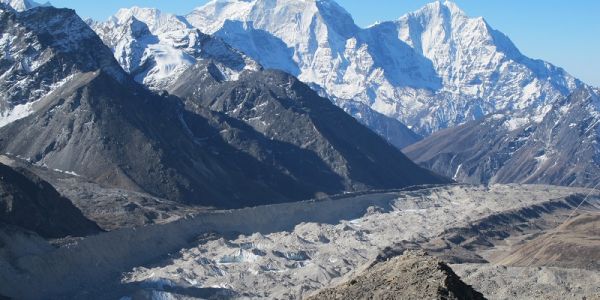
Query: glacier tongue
x,y
431,69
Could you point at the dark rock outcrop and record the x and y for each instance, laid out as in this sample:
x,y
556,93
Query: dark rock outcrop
x,y
29,202
413,275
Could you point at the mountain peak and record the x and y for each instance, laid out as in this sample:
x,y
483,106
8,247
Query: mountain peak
x,y
22,5
156,47
125,13
157,21
453,7
437,52
278,15
439,7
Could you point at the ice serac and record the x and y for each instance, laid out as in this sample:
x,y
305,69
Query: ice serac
x,y
431,69
104,126
560,148
156,47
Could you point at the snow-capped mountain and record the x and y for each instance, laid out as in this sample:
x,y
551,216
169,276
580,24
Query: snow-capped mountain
x,y
40,53
562,148
21,5
91,118
157,47
431,69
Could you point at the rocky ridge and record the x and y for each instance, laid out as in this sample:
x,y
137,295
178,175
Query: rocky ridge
x,y
560,149
414,275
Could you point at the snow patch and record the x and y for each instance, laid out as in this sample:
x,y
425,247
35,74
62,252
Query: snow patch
x,y
541,159
516,123
16,113
21,111
66,172
159,283
457,172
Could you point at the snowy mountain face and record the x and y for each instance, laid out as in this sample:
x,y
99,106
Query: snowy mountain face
x,y
156,47
22,5
272,140
561,149
431,69
41,50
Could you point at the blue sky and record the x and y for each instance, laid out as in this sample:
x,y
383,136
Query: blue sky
x,y
563,32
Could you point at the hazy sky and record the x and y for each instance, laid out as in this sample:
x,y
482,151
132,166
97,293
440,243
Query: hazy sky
x,y
563,32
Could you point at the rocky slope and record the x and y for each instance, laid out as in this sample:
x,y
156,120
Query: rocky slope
x,y
300,130
155,47
561,148
414,275
132,139
111,208
431,69
573,245
28,202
